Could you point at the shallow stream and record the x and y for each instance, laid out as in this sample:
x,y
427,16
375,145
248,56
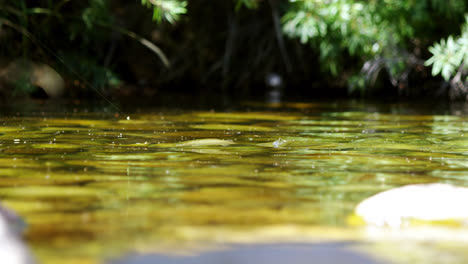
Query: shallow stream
x,y
93,186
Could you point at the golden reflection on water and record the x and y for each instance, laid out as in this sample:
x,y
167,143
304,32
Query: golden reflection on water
x,y
92,186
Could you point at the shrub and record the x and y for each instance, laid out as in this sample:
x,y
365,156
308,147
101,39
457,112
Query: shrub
x,y
450,59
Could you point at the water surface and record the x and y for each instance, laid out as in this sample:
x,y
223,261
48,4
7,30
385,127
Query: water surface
x,y
94,185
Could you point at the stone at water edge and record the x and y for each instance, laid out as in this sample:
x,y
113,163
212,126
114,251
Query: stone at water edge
x,y
12,248
421,202
34,73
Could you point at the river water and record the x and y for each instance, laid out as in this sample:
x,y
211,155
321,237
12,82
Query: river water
x,y
94,186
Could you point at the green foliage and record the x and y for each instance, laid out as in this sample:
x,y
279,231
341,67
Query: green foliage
x,y
347,43
450,55
247,3
92,26
169,10
376,34
98,10
450,60
38,24
341,25
89,70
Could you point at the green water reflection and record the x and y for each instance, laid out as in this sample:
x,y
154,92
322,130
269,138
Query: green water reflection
x,y
92,186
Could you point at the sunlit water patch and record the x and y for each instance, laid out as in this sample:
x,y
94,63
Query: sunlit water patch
x,y
94,186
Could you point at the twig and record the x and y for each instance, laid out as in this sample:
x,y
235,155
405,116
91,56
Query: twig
x,y
143,41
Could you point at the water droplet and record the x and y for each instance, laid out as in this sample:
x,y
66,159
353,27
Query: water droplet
x,y
278,142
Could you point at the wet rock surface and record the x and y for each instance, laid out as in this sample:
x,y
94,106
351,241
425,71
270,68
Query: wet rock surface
x,y
423,202
12,248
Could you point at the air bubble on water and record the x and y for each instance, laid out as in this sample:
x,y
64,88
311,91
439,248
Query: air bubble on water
x,y
278,142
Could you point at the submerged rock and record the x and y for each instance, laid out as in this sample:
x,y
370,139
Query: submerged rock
x,y
12,248
442,203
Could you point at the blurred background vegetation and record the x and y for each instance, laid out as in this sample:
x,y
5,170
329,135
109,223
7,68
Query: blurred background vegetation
x,y
103,48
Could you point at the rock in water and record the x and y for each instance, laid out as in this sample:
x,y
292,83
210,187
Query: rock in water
x,y
12,248
34,73
419,202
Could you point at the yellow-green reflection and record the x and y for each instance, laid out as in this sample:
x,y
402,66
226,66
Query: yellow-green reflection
x,y
94,187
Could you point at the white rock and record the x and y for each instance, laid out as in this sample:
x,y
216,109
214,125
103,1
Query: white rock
x,y
12,248
426,202
48,79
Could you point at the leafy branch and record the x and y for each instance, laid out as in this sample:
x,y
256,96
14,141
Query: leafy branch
x,y
450,60
169,10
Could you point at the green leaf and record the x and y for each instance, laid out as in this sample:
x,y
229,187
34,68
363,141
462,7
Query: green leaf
x,y
169,10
